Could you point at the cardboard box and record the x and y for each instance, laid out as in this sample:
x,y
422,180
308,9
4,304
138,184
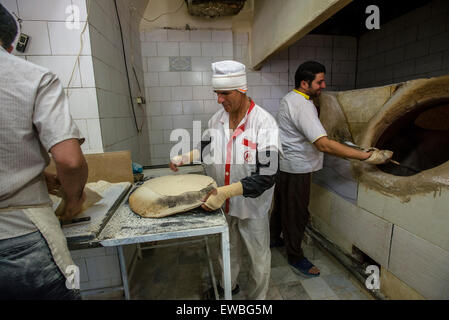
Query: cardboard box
x,y
109,166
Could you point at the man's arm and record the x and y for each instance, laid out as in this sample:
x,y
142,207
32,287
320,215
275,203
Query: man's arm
x,y
258,182
71,168
326,145
52,182
188,157
307,122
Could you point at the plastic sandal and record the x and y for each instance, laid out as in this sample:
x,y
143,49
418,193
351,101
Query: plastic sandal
x,y
304,266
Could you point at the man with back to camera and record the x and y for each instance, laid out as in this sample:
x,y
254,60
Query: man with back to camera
x,y
303,141
35,120
245,146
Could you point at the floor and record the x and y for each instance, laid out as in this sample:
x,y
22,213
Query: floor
x,y
181,272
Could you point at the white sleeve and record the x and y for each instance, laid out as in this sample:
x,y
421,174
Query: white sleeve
x,y
305,118
51,115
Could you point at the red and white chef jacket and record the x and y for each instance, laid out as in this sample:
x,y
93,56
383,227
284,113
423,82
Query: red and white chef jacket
x,y
249,154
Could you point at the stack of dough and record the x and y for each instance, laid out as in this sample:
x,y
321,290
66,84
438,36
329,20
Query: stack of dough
x,y
167,195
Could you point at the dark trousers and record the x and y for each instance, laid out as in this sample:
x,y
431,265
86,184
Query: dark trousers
x,y
290,212
28,271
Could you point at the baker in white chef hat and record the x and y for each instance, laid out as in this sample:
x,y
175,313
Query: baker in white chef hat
x,y
229,75
229,83
245,190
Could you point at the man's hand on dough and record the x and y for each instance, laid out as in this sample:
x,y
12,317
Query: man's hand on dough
x,y
216,199
73,207
212,192
379,156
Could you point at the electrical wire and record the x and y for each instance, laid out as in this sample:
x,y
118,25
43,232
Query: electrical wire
x,y
19,21
126,67
163,14
142,106
19,26
81,48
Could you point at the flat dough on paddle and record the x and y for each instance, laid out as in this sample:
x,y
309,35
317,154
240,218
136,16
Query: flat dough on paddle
x,y
167,195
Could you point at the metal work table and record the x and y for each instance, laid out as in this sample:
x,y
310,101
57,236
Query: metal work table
x,y
125,227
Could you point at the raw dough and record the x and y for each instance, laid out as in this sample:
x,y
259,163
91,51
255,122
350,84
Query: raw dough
x,y
167,195
93,192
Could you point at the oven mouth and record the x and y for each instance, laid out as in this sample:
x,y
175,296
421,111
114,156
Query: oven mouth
x,y
418,138
413,123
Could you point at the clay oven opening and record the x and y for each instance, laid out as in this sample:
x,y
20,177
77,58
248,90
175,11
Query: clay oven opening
x,y
419,139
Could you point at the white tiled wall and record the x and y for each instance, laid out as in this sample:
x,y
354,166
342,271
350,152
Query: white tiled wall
x,y
99,267
56,47
95,82
118,125
176,98
420,264
412,46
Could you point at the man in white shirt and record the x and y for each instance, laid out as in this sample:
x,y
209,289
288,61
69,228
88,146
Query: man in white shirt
x,y
243,160
35,120
303,141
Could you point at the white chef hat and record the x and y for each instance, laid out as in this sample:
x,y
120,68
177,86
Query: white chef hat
x,y
229,75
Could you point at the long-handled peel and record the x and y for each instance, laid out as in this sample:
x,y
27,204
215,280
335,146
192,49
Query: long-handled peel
x,y
350,144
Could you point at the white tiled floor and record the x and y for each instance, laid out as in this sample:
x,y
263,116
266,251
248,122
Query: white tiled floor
x,y
181,272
